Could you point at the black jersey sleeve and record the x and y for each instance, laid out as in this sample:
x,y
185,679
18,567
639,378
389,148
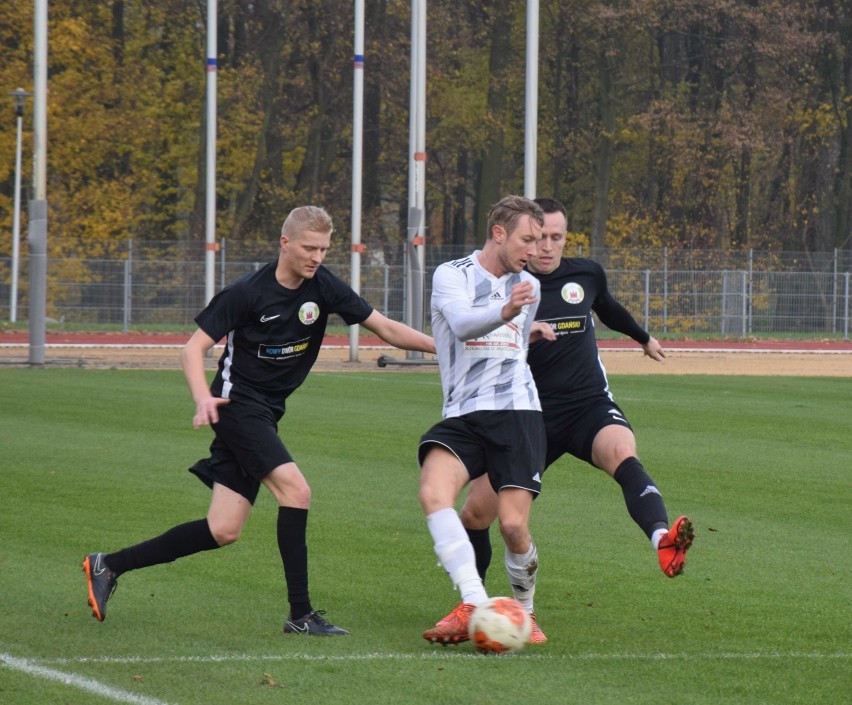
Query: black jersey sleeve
x,y
613,315
226,311
343,300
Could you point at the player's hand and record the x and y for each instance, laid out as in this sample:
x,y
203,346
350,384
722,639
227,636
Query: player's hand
x,y
654,350
522,295
541,331
207,411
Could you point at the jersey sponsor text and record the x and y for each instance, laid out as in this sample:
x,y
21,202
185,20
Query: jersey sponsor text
x,y
284,351
571,324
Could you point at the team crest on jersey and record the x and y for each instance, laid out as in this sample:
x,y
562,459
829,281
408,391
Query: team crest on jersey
x,y
573,293
309,313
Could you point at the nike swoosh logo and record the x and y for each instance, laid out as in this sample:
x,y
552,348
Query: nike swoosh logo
x,y
264,318
297,628
99,566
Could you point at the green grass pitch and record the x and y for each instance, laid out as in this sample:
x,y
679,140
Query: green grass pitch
x,y
96,460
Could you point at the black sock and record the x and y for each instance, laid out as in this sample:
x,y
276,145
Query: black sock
x,y
292,544
643,499
177,542
481,541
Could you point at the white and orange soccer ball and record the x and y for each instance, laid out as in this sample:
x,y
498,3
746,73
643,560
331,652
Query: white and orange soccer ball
x,y
500,626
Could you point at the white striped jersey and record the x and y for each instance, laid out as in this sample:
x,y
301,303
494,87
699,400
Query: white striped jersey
x,y
483,360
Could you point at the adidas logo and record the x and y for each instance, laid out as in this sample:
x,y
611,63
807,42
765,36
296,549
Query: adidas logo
x,y
650,489
537,478
496,296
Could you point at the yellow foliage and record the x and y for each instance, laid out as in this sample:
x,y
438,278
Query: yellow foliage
x,y
576,243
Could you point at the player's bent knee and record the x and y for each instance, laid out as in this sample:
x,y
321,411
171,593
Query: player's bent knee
x,y
432,501
296,497
290,493
473,517
516,535
224,536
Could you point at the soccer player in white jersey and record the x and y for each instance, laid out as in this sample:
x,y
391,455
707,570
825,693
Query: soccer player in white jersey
x,y
581,417
483,307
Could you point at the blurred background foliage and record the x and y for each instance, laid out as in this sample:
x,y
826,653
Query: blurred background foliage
x,y
662,123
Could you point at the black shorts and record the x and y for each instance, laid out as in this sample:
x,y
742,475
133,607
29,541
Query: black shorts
x,y
573,430
245,450
507,445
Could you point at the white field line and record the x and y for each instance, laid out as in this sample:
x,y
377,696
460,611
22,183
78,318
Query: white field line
x,y
38,669
444,655
32,668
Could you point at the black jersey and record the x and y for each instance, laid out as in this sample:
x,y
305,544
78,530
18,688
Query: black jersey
x,y
568,370
273,333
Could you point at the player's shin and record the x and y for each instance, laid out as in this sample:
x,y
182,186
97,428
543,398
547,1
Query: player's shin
x,y
641,497
480,539
523,569
456,555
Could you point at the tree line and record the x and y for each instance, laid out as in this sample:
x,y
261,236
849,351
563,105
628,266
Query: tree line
x,y
680,123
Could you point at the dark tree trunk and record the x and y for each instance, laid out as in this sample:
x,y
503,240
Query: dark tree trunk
x,y
605,150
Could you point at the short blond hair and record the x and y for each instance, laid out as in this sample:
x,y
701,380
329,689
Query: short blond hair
x,y
305,218
509,210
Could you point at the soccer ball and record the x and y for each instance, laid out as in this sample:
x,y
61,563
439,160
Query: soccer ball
x,y
499,626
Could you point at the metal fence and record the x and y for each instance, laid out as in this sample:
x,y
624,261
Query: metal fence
x,y
676,292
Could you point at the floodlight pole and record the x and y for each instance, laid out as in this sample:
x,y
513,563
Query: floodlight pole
x,y
531,112
210,245
416,239
38,205
356,247
415,250
20,96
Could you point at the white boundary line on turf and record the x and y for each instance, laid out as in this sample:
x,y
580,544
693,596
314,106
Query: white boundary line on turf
x,y
32,668
434,655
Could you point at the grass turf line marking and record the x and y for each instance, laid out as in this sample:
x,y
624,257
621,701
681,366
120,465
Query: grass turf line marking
x,y
756,655
31,668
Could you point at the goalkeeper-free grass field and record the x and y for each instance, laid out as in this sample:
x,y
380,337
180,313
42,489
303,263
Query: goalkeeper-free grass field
x,y
96,460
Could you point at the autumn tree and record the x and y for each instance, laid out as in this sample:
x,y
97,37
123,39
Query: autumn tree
x,y
687,123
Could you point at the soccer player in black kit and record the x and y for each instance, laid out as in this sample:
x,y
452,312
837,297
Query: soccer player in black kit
x,y
580,415
274,321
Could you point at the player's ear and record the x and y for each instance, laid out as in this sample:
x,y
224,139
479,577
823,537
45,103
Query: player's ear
x,y
498,233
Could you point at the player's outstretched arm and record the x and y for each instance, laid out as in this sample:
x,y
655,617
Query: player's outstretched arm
x,y
192,360
653,349
398,334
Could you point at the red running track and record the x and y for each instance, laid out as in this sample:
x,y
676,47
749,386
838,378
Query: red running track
x,y
21,338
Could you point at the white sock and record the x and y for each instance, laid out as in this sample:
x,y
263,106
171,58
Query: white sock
x,y
657,536
456,554
523,569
